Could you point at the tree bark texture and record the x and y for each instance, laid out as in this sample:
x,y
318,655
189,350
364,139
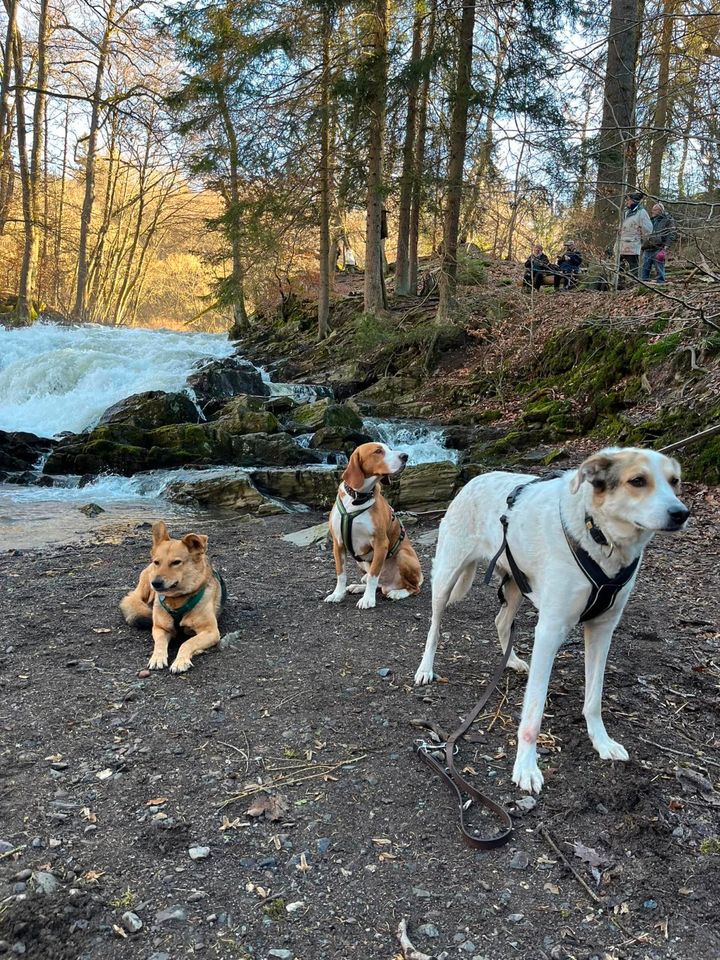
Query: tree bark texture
x,y
325,265
456,161
419,155
374,298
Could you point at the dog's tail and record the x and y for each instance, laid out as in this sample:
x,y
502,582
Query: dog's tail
x,y
136,611
463,582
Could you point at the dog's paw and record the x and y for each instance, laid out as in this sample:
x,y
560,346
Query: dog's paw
x,y
609,749
397,594
515,663
334,597
526,774
424,675
365,602
158,661
180,665
356,588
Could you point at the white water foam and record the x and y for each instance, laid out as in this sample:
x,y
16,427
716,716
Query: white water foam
x,y
300,392
55,378
424,442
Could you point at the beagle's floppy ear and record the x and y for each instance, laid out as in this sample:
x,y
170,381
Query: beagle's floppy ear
x,y
353,475
195,542
159,532
595,469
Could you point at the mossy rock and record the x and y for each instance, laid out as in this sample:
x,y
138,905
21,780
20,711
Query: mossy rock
x,y
326,413
155,408
234,490
261,449
426,486
338,438
239,420
312,487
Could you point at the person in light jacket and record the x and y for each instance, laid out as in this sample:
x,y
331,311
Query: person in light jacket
x,y
636,228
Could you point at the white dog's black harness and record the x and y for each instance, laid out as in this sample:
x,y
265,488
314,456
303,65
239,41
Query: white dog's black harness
x,y
603,589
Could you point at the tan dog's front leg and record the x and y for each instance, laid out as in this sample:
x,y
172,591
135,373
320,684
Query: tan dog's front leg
x,y
198,644
338,593
380,549
161,638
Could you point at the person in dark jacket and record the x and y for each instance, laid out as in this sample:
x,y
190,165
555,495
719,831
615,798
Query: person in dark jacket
x,y
568,267
656,246
537,266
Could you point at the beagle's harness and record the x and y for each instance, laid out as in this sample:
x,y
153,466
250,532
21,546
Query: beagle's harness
x,y
347,520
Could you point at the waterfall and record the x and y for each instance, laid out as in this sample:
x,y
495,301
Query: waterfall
x,y
55,378
424,442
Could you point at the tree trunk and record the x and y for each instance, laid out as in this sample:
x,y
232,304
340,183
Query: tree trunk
x,y
661,115
30,166
61,209
325,265
456,162
78,311
419,156
241,324
7,172
617,125
374,300
402,264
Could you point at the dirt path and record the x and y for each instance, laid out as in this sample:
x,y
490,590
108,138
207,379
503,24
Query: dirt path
x,y
108,780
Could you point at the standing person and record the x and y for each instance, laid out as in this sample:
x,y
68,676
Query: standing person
x,y
537,266
657,244
636,228
568,266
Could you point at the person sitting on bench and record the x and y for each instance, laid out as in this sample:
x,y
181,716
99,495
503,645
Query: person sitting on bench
x,y
568,267
537,266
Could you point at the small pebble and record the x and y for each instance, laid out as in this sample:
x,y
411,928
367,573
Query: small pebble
x,y
281,954
384,672
199,853
516,917
23,875
650,905
468,947
428,930
525,804
171,914
131,921
143,674
519,861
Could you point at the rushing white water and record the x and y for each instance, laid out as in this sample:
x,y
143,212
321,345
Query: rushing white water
x,y
424,442
300,392
55,378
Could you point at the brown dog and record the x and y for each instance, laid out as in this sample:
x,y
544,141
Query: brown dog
x,y
179,589
363,524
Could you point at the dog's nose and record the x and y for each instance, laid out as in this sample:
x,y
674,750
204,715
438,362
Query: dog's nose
x,y
158,583
404,457
679,515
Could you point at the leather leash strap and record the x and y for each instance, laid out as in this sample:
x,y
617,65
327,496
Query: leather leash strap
x,y
465,792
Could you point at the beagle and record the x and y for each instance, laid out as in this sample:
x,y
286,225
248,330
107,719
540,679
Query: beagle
x,y
572,545
363,524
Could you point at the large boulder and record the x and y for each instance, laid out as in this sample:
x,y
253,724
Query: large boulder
x,y
326,413
234,490
124,449
222,379
242,415
313,487
426,486
388,396
155,408
338,438
20,451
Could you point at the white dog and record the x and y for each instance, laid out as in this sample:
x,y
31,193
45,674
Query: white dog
x,y
567,539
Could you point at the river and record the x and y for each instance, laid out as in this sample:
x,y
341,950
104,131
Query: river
x,y
57,378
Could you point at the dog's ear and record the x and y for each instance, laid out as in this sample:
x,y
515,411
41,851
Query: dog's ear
x,y
353,474
159,532
595,470
195,542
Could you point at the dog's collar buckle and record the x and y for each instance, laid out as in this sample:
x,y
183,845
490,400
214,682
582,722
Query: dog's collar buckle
x,y
595,531
358,496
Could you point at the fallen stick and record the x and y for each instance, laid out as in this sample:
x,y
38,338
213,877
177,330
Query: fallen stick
x,y
9,853
590,892
288,781
711,431
409,951
685,754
